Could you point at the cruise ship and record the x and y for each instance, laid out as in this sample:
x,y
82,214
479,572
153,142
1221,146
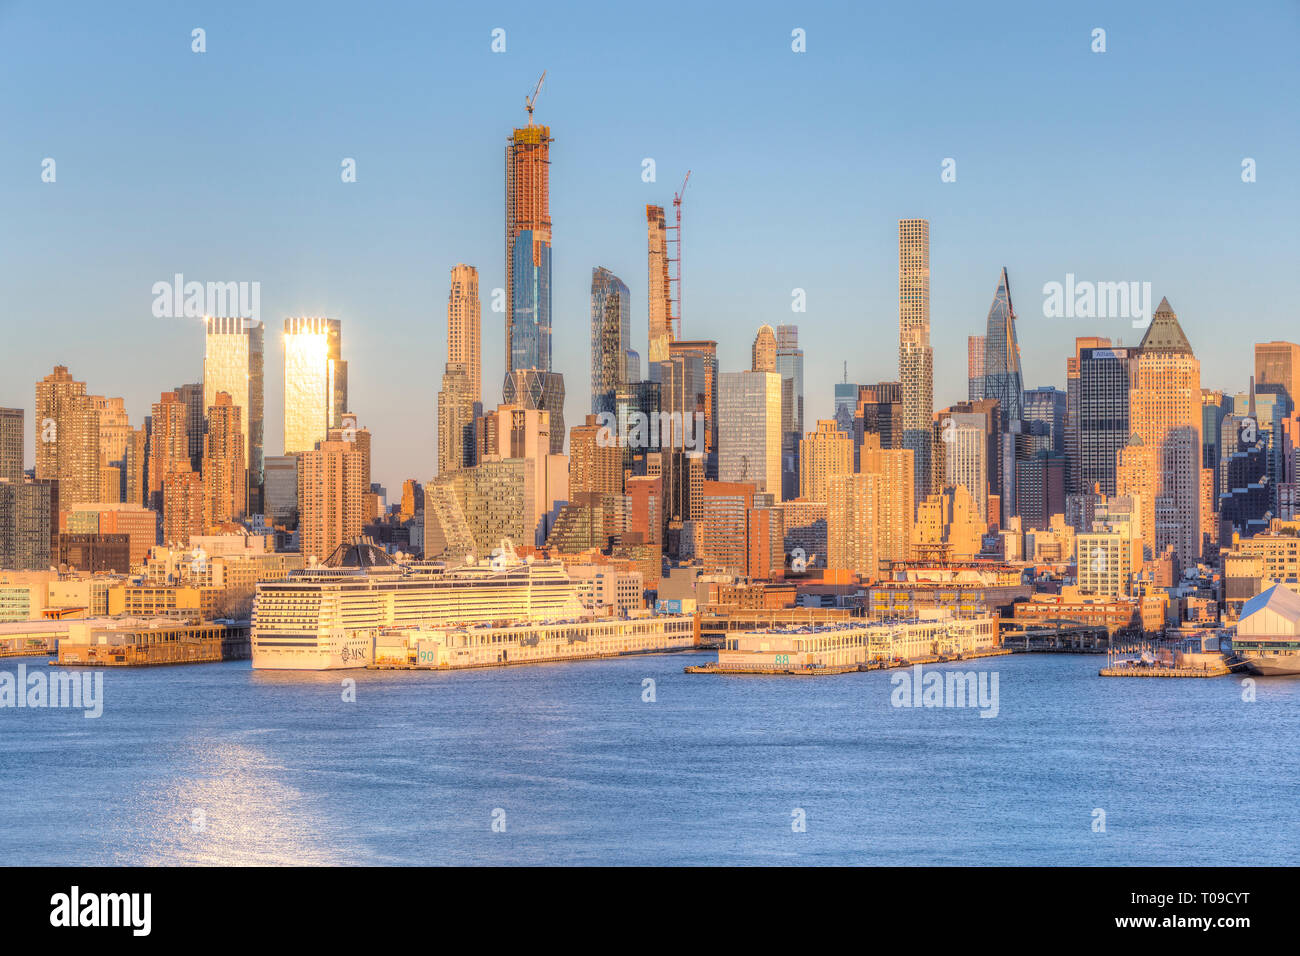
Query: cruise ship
x,y
327,617
1268,632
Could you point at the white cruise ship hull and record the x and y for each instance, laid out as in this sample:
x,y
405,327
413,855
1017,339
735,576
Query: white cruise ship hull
x,y
327,617
341,650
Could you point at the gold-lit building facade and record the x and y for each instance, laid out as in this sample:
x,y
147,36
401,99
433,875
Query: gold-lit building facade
x,y
315,381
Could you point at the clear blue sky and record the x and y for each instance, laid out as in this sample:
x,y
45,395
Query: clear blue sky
x,y
225,166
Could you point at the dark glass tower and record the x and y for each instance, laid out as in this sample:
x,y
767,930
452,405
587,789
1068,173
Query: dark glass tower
x,y
611,329
1002,379
1103,415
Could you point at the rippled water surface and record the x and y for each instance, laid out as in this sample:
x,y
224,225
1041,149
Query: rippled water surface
x,y
217,764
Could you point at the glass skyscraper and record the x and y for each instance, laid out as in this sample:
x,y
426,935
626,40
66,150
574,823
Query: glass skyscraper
x,y
611,328
233,363
789,365
530,312
1103,415
846,403
315,381
1002,357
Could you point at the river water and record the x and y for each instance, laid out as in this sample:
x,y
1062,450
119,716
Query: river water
x,y
570,763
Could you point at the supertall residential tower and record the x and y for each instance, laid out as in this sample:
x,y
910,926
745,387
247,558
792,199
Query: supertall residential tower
x,y
660,295
528,209
915,357
460,398
529,380
464,315
233,363
315,381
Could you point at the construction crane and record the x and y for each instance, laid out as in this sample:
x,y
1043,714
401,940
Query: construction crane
x,y
530,101
677,208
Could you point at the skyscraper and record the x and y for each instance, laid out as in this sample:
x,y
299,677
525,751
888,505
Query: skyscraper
x,y
234,363
517,432
184,505
852,520
529,380
11,444
169,451
658,285
67,437
763,351
879,412
281,491
1165,412
191,396
331,488
1003,384
704,397
315,381
463,321
974,367
528,209
1135,479
456,412
595,466
114,435
749,429
1047,405
846,402
823,453
1278,363
611,330
966,461
893,470
543,391
1073,478
915,357
530,323
28,525
225,477
789,365
1103,416
1002,379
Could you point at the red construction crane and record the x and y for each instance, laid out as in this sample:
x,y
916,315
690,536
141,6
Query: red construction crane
x,y
677,208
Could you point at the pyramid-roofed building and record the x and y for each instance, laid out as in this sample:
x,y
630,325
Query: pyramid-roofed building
x,y
1164,334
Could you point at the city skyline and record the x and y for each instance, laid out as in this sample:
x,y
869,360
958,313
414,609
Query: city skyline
x,y
369,494
396,295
